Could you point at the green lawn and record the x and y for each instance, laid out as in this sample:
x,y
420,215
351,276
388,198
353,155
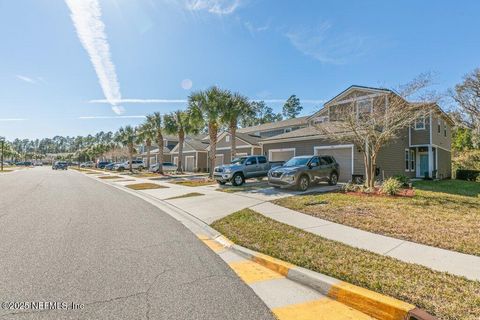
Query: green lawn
x,y
446,296
144,186
443,214
186,195
195,182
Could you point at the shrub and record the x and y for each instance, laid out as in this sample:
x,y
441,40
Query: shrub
x,y
350,187
469,175
391,186
404,180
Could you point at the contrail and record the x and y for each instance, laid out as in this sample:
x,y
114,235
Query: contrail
x,y
86,16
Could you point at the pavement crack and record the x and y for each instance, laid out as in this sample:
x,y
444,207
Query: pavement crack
x,y
147,299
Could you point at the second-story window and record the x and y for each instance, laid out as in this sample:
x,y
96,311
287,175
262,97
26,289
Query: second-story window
x,y
439,125
364,106
444,128
227,138
420,123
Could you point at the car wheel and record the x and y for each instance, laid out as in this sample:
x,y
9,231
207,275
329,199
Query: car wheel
x,y
303,183
222,183
333,179
238,179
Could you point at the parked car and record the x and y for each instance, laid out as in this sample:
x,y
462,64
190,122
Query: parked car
x,y
60,165
88,164
242,168
166,166
302,171
111,165
136,164
38,163
102,164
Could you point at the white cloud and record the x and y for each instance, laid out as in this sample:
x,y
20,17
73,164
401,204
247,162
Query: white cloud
x,y
26,79
140,101
322,44
12,119
86,16
218,7
252,28
111,117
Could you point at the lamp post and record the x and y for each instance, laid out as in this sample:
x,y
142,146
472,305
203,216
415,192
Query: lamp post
x,y
2,141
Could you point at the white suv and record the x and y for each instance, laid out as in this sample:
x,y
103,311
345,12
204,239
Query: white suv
x,y
136,164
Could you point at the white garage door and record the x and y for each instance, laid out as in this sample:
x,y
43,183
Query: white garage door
x,y
190,163
281,154
343,155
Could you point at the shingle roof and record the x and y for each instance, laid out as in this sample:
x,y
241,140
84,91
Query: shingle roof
x,y
310,131
275,125
155,151
251,139
199,145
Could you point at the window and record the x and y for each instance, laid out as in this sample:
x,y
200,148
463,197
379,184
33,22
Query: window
x,y
320,119
420,123
327,159
407,159
438,126
444,128
364,106
262,160
412,160
251,161
227,138
315,160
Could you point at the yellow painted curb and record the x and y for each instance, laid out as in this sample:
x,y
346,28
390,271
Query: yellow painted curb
x,y
276,265
369,302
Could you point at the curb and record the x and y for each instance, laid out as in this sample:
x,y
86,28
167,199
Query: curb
x,y
369,302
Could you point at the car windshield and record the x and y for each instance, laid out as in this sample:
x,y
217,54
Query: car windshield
x,y
297,161
239,160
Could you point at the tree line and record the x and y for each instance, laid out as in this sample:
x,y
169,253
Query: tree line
x,y
209,111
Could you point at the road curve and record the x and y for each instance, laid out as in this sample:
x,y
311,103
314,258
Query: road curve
x,y
68,239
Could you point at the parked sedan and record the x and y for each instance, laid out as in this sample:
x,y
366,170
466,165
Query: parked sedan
x,y
111,165
88,164
102,164
302,171
166,166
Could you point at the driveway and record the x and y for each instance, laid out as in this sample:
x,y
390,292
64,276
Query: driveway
x,y
67,238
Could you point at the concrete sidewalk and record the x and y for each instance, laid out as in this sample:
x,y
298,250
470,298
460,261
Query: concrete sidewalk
x,y
214,205
434,258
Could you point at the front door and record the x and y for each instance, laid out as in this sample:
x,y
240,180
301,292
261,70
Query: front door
x,y
423,164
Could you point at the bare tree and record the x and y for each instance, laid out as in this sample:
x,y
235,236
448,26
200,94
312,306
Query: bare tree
x,y
467,95
372,123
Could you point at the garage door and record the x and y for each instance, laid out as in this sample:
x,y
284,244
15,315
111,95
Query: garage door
x,y
281,154
343,155
190,163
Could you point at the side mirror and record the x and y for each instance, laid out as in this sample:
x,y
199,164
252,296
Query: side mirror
x,y
248,163
313,164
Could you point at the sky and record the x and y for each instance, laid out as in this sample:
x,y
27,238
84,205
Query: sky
x,y
74,67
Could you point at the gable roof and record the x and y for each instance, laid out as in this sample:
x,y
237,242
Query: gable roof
x,y
275,125
155,151
307,132
193,142
357,87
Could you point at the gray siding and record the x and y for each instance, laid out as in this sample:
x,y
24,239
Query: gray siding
x,y
224,144
391,158
421,136
444,164
227,154
439,138
201,162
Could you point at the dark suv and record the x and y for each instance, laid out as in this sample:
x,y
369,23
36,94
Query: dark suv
x,y
60,165
302,171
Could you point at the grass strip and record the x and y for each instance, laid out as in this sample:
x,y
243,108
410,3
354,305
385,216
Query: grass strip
x,y
187,195
109,177
447,296
145,186
443,214
195,183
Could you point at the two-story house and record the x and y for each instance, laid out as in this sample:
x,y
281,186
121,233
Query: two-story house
x,y
422,149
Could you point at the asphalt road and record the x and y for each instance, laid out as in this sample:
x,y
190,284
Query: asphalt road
x,y
66,238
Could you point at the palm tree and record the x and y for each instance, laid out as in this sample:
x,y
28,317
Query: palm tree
x,y
127,136
237,107
156,123
178,123
206,107
147,133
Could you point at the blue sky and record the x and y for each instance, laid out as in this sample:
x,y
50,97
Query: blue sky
x,y
157,51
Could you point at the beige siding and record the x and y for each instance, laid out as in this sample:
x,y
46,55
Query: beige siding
x,y
224,144
227,154
202,162
391,158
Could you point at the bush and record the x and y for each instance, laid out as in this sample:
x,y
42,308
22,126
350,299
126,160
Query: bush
x,y
350,187
404,180
391,186
468,175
